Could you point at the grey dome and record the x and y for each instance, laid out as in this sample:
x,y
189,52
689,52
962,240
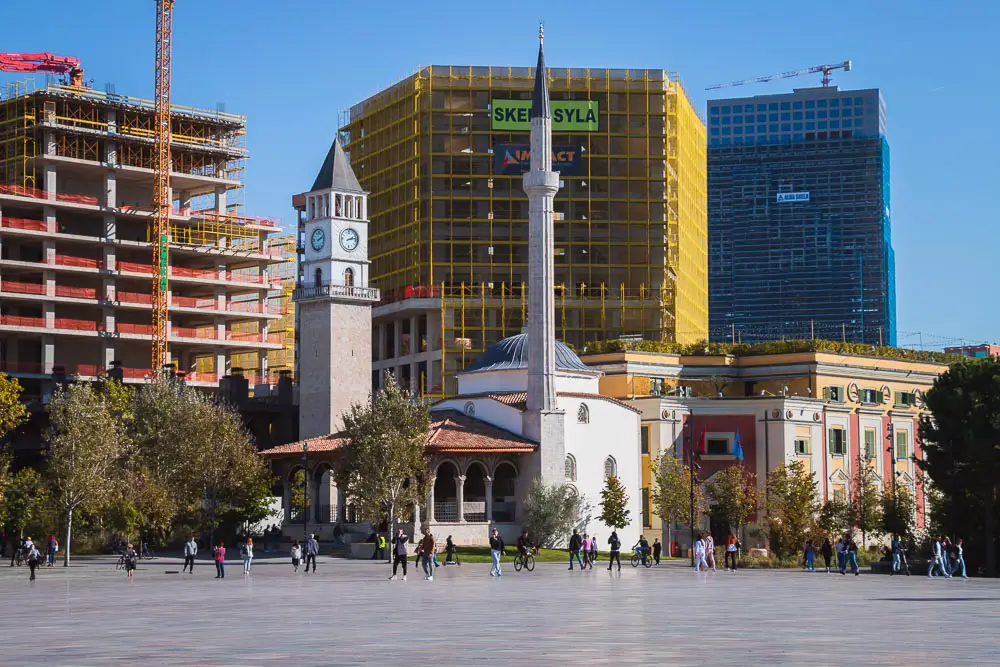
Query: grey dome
x,y
512,353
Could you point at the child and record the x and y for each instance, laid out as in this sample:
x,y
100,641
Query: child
x,y
130,558
296,555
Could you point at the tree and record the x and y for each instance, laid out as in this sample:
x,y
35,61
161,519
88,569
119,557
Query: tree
x,y
614,503
383,462
898,512
551,512
834,517
13,412
791,507
86,442
960,437
866,502
671,496
734,495
298,498
25,498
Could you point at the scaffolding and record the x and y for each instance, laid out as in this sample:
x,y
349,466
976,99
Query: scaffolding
x,y
17,136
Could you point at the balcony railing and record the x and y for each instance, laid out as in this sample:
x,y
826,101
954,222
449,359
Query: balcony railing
x,y
341,291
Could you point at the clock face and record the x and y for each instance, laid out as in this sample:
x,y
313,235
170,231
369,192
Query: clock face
x,y
318,239
349,239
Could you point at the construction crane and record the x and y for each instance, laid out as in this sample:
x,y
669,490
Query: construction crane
x,y
43,62
162,203
825,69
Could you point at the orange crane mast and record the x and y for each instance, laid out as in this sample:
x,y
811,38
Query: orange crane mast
x,y
162,203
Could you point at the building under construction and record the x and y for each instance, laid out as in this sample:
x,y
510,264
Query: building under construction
x,y
76,188
442,154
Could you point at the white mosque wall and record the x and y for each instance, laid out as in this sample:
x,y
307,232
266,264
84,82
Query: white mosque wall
x,y
611,430
577,384
482,382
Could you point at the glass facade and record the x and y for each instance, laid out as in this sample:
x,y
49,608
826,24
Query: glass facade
x,y
799,220
449,217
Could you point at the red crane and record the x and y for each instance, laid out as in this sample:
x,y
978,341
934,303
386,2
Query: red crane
x,y
43,62
825,69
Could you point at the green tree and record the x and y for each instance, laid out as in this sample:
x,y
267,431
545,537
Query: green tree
x,y
671,493
86,443
960,437
26,497
551,512
614,503
898,513
866,502
383,462
834,517
4,483
791,507
734,495
298,498
13,412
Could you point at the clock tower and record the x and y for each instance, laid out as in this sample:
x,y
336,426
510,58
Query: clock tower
x,y
333,298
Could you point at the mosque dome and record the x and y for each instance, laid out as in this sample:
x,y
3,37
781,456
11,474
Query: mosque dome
x,y
512,353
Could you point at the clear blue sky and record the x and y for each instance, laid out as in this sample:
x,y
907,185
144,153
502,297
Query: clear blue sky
x,y
291,66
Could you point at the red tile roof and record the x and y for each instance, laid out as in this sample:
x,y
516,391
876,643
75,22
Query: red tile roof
x,y
450,432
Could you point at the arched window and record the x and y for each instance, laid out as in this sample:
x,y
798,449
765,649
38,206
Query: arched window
x,y
583,414
349,277
570,468
318,277
610,467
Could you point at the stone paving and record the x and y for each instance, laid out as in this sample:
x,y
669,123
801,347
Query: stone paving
x,y
347,614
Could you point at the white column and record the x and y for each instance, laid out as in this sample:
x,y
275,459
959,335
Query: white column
x,y
48,354
489,498
460,497
430,500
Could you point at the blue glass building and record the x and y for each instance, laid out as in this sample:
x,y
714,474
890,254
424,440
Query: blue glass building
x,y
799,218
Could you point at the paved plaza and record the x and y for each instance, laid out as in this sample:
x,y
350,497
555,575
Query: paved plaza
x,y
347,613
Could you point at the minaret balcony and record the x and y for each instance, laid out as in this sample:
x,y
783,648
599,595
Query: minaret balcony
x,y
339,292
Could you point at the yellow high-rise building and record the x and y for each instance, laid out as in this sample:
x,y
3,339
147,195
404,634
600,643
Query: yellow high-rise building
x,y
442,154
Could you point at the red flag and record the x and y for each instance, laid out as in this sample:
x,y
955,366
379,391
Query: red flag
x,y
702,444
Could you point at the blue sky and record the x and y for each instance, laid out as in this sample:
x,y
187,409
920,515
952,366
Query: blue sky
x,y
290,67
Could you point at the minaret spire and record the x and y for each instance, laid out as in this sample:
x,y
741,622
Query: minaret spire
x,y
541,185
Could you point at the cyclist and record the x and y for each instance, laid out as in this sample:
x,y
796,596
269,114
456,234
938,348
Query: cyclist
x,y
642,546
523,544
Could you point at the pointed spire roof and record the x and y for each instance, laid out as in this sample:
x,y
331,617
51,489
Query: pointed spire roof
x,y
540,97
336,172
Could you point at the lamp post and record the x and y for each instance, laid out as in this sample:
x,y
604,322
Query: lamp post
x,y
690,446
305,492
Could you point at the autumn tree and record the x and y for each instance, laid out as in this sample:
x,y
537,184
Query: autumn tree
x,y
960,437
552,512
25,498
866,502
614,503
834,517
383,462
898,513
734,496
791,507
86,443
13,412
671,493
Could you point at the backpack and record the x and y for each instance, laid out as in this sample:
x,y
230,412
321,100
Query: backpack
x,y
616,544
243,551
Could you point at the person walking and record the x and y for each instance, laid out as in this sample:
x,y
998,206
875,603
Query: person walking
x,y
810,556
399,553
593,551
496,550
219,555
656,550
575,542
380,543
710,551
296,556
247,555
699,554
312,550
731,550
449,552
960,557
614,553
935,561
827,550
946,552
587,547
852,557
130,559
427,549
895,548
34,558
190,551
841,548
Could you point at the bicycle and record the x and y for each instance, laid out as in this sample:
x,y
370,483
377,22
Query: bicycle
x,y
19,557
637,558
525,560
121,562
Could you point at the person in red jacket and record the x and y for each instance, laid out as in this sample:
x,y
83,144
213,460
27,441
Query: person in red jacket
x,y
220,561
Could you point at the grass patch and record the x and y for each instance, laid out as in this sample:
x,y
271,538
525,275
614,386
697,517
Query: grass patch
x,y
482,555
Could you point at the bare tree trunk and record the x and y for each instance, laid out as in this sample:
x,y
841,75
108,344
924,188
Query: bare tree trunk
x,y
991,500
69,534
392,532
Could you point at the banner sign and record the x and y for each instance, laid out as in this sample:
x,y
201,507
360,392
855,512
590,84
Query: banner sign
x,y
792,196
567,115
516,159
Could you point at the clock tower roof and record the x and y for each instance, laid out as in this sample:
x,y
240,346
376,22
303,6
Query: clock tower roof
x,y
336,172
